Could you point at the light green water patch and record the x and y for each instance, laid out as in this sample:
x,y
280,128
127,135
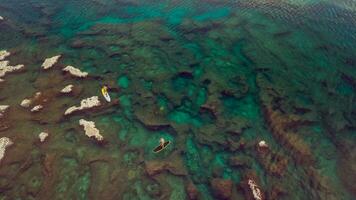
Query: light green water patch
x,y
72,15
345,89
83,185
181,117
217,13
176,15
181,83
193,161
130,157
140,192
239,53
122,134
245,107
202,96
198,71
147,84
216,50
204,192
123,81
71,181
195,49
125,127
177,187
125,102
162,102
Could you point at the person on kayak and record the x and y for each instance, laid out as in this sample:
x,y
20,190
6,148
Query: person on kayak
x,y
161,142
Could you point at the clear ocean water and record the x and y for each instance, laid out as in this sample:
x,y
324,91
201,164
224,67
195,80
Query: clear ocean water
x,y
246,91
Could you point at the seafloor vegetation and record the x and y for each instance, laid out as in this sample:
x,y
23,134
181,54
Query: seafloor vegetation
x,y
213,77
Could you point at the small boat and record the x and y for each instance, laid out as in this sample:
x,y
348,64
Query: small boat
x,y
160,147
104,91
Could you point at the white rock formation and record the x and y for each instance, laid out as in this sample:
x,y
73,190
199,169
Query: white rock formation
x,y
75,72
1,18
4,143
37,108
84,104
5,68
90,130
67,89
4,54
262,144
255,190
42,136
26,103
49,62
3,109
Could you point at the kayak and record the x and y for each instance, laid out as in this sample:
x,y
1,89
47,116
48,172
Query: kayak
x,y
105,94
160,148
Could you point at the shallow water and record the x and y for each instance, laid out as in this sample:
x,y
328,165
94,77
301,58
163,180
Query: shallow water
x,y
213,77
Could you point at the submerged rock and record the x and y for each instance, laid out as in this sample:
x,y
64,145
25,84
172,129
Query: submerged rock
x,y
75,72
222,188
240,161
192,191
90,130
67,89
84,104
4,54
42,136
157,167
49,62
4,143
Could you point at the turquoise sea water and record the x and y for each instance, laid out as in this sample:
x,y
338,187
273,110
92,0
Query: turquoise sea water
x,y
214,77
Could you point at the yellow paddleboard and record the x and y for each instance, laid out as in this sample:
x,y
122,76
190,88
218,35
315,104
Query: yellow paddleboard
x,y
105,93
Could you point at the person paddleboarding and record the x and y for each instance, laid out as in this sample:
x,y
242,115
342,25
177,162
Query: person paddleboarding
x,y
104,91
162,145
